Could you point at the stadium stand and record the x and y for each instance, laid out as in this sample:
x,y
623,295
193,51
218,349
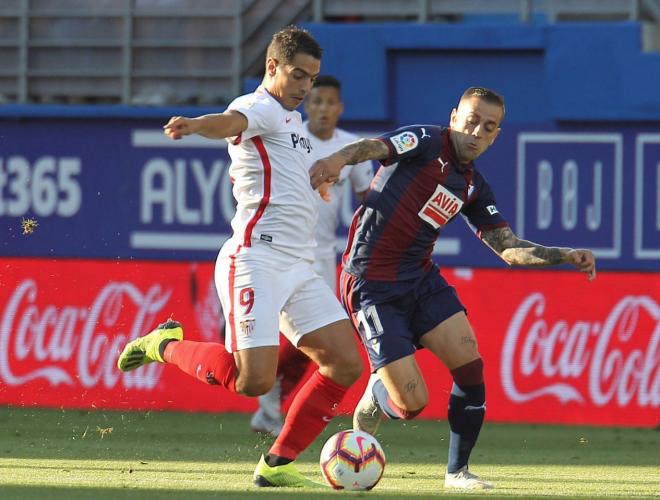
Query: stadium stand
x,y
456,10
135,51
177,52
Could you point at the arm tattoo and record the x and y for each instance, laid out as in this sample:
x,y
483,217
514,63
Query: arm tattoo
x,y
499,239
363,150
517,252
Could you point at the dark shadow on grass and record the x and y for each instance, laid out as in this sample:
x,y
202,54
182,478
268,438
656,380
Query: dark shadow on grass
x,y
75,493
225,439
62,493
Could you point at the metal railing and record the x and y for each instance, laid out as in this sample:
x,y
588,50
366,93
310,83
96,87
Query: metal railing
x,y
135,51
430,10
199,51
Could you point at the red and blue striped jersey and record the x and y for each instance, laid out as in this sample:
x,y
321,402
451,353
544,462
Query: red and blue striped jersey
x,y
418,190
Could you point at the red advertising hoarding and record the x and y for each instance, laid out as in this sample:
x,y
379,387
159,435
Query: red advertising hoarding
x,y
557,349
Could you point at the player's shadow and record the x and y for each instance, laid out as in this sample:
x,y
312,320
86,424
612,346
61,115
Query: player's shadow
x,y
16,492
225,439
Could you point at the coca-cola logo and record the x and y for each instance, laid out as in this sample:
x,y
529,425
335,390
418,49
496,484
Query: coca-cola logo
x,y
77,344
613,359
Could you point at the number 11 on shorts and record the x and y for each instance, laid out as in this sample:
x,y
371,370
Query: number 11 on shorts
x,y
368,318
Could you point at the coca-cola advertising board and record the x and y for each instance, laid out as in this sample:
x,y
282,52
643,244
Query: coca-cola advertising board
x,y
557,348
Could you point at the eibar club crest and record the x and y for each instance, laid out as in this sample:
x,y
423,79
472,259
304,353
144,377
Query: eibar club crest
x,y
247,327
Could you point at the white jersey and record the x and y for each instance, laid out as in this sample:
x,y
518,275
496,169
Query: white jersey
x,y
359,175
270,163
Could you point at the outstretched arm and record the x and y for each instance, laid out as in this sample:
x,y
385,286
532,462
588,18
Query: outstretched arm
x,y
214,126
328,169
517,252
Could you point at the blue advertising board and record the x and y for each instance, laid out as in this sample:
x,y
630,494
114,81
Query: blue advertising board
x,y
119,189
571,183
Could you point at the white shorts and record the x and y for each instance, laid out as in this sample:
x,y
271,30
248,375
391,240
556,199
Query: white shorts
x,y
264,291
327,269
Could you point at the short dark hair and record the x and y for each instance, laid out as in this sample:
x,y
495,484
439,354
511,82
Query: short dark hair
x,y
488,95
290,41
327,81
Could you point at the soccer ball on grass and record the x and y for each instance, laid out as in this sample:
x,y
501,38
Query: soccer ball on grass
x,y
352,460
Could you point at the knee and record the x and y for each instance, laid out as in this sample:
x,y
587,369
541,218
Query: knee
x,y
349,372
253,387
346,371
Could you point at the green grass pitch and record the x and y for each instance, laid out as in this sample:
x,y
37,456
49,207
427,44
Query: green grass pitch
x,y
71,454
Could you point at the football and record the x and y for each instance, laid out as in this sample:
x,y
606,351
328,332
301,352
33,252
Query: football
x,y
352,460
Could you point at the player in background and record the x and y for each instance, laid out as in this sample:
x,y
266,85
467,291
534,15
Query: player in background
x,y
324,108
264,274
393,291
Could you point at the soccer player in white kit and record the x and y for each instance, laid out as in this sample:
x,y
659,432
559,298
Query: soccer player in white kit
x,y
264,272
324,108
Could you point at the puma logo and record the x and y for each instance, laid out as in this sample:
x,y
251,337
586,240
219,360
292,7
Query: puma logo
x,y
443,163
424,134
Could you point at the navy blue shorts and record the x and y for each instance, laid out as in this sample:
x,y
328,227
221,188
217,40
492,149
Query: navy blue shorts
x,y
391,317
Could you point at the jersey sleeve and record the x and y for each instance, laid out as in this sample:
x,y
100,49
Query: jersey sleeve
x,y
407,142
481,211
261,115
361,176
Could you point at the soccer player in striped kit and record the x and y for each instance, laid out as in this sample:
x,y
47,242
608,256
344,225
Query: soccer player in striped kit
x,y
393,291
324,107
264,273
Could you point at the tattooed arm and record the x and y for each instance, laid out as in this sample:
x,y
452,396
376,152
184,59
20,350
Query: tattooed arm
x,y
517,252
328,169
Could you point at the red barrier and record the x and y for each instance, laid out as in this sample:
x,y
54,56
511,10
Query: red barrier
x,y
557,349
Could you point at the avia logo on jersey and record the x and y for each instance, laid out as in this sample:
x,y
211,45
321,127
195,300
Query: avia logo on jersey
x,y
492,209
303,142
405,141
441,207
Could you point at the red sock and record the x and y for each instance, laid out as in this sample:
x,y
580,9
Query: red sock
x,y
400,412
292,365
207,361
312,408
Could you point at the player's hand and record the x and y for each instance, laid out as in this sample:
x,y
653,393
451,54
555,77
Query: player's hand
x,y
325,170
324,192
178,126
584,260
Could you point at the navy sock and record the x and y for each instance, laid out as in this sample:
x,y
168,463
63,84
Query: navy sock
x,y
467,406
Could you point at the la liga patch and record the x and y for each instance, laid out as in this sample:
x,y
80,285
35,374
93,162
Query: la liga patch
x,y
405,141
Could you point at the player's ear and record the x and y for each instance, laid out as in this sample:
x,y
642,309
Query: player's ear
x,y
452,117
341,108
271,66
